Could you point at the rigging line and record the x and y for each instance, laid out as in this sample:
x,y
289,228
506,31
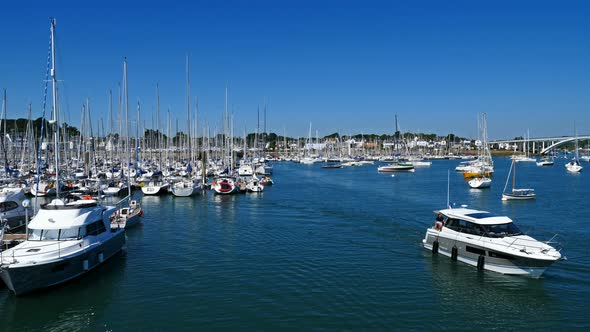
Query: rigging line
x,y
39,150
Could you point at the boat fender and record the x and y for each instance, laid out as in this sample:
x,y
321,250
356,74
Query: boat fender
x,y
435,247
480,262
454,253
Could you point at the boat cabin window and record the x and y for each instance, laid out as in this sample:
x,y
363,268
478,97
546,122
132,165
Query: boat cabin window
x,y
464,226
69,233
54,234
95,228
7,206
501,230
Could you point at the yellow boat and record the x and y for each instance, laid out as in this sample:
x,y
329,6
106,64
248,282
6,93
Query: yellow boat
x,y
471,175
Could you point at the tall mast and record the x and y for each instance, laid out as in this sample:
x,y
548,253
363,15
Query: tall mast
x,y
126,96
4,124
55,119
188,109
514,175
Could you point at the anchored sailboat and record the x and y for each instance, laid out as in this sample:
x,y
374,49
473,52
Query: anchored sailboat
x,y
516,193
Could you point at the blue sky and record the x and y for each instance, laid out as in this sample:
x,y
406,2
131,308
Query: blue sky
x,y
346,66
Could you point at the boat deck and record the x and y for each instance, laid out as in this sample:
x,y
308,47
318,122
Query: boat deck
x,y
11,240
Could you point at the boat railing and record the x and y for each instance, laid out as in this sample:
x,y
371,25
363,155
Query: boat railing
x,y
524,244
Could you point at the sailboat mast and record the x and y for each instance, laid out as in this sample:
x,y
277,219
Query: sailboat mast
x,y
514,175
3,140
188,109
55,119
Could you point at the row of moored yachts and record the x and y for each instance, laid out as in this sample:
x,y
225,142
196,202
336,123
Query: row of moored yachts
x,y
75,232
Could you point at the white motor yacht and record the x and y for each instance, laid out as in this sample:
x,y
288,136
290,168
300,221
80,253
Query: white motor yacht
x,y
65,240
12,209
128,216
489,242
397,167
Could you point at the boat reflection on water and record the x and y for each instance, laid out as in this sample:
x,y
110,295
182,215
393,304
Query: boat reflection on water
x,y
464,291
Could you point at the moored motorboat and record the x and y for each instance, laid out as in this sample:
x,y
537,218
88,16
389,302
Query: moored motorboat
x,y
396,167
489,242
266,181
12,210
65,240
128,216
332,165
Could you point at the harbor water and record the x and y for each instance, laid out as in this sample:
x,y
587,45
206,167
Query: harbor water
x,y
326,249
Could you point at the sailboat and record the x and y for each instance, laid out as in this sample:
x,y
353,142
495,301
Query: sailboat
x,y
186,186
545,161
397,165
127,216
482,180
516,193
574,165
524,157
66,238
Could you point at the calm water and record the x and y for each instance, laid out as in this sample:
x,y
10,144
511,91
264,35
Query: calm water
x,y
335,249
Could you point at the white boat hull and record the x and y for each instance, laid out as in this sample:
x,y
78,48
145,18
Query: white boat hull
x,y
517,197
185,191
573,168
478,183
480,255
396,168
25,278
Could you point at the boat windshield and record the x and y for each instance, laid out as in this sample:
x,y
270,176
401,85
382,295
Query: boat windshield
x,y
54,234
501,230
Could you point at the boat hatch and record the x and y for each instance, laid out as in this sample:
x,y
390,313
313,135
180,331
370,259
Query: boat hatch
x,y
481,215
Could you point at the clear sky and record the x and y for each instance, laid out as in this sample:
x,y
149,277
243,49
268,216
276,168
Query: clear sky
x,y
346,66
